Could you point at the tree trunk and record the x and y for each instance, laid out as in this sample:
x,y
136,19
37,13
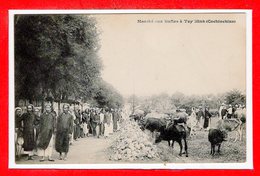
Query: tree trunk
x,y
16,102
30,101
42,101
59,107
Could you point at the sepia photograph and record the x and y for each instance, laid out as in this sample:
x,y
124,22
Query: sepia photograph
x,y
131,89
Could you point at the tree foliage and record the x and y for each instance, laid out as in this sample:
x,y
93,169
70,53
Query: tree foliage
x,y
107,97
235,97
164,103
56,55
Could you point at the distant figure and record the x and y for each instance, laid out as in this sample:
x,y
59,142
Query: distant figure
x,y
107,124
119,120
200,115
207,119
85,122
220,110
96,124
71,111
46,131
115,119
224,112
37,112
230,112
91,122
110,127
64,132
101,126
192,121
77,122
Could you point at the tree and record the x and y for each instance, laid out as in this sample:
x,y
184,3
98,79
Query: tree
x,y
57,55
133,101
235,97
177,98
107,96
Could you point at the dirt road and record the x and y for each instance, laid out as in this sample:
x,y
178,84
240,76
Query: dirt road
x,y
87,150
92,150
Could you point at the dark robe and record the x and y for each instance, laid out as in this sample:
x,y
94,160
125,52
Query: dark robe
x,y
77,123
224,113
37,128
87,120
46,130
18,125
29,122
116,117
18,121
200,114
91,123
64,129
95,123
207,117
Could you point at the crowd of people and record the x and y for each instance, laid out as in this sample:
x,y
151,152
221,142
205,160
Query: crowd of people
x,y
229,111
202,115
39,133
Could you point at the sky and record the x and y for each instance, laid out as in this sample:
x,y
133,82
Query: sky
x,y
152,58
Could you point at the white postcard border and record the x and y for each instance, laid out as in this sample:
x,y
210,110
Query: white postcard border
x,y
249,104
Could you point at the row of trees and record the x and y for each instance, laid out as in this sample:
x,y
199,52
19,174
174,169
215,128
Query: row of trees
x,y
168,103
57,56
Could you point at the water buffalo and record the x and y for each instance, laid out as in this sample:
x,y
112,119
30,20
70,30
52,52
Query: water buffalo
x,y
153,124
138,115
236,125
174,133
216,137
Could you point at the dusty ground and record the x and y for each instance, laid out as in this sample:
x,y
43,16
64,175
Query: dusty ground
x,y
91,150
88,150
199,149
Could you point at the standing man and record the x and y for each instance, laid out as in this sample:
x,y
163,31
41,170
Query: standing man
x,y
29,120
115,118
110,122
229,112
84,124
77,122
71,111
120,118
207,120
37,112
200,115
224,112
220,110
106,123
101,115
64,132
91,122
96,124
18,132
46,130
